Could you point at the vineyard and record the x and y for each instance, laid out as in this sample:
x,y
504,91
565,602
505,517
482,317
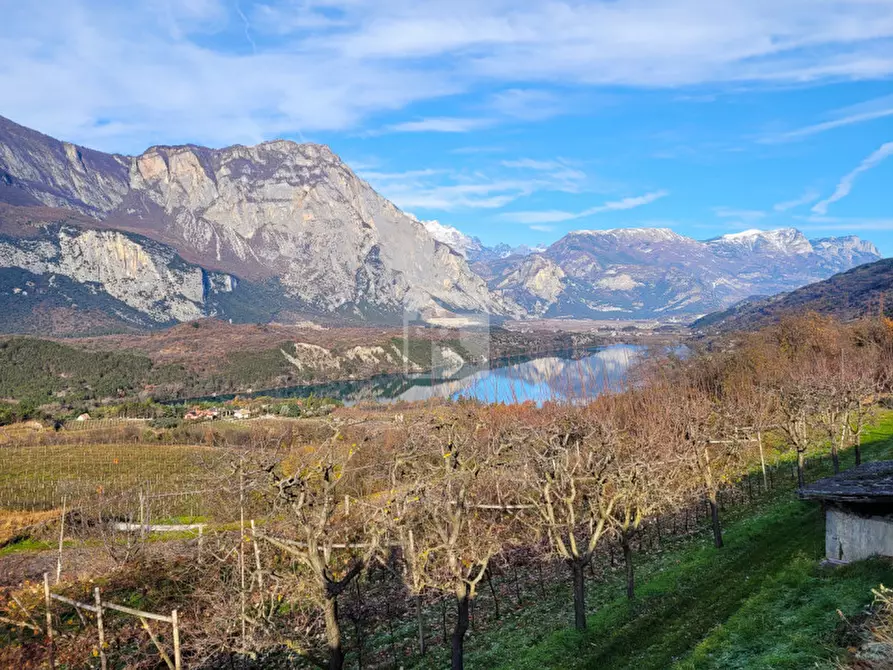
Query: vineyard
x,y
37,478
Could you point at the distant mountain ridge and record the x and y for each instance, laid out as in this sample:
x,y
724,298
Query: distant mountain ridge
x,y
656,272
472,248
284,231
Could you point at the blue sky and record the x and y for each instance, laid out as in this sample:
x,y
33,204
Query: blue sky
x,y
514,121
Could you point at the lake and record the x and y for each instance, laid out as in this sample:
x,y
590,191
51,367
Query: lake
x,y
570,375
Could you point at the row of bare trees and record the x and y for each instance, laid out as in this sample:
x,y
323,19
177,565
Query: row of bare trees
x,y
437,497
451,492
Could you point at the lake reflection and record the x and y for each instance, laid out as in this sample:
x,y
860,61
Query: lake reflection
x,y
559,377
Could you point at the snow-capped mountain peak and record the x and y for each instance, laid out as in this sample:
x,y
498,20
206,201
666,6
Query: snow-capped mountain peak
x,y
452,237
634,234
782,240
848,243
471,247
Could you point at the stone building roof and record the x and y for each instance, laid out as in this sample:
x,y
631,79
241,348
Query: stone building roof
x,y
869,482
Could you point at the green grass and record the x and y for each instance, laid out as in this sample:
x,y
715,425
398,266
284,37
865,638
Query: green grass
x,y
763,601
26,545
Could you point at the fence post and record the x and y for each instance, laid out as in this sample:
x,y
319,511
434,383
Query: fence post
x,y
176,625
61,540
257,563
46,595
142,515
97,597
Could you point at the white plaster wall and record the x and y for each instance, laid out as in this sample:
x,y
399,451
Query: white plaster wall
x,y
852,538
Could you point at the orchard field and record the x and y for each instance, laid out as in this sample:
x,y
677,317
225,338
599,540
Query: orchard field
x,y
657,527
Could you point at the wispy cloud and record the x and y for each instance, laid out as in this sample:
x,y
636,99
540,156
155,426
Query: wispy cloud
x,y
846,184
443,124
808,197
739,214
542,229
560,169
490,188
871,110
844,224
557,216
405,175
179,71
475,150
247,25
528,104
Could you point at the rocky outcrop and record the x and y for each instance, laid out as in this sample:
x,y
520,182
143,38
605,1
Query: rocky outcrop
x,y
279,210
146,276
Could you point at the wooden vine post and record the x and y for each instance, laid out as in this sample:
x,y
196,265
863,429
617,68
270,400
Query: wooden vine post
x,y
48,601
61,540
100,628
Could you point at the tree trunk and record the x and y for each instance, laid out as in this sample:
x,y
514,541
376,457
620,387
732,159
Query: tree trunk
x,y
801,468
835,458
859,448
577,565
630,574
762,460
333,635
714,516
420,617
458,642
493,593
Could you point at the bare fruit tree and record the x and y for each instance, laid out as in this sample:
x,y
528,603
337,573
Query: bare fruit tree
x,y
314,522
446,513
572,485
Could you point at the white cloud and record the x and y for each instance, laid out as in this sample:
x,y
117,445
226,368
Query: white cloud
x,y
808,197
871,110
846,184
542,229
559,169
123,75
474,150
528,104
557,216
740,214
440,125
441,189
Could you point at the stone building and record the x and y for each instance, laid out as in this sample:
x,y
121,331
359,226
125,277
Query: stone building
x,y
858,511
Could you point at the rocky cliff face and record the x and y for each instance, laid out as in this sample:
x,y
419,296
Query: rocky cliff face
x,y
143,277
280,210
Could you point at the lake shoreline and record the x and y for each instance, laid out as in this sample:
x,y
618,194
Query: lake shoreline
x,y
394,386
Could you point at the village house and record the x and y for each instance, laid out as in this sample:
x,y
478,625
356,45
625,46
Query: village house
x,y
858,507
198,414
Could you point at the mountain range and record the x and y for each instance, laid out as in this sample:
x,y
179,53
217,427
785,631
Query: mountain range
x,y
655,272
281,231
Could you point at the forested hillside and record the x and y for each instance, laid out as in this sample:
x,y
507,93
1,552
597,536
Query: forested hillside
x,y
859,292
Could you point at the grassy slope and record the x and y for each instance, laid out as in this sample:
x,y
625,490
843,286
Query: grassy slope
x,y
760,602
